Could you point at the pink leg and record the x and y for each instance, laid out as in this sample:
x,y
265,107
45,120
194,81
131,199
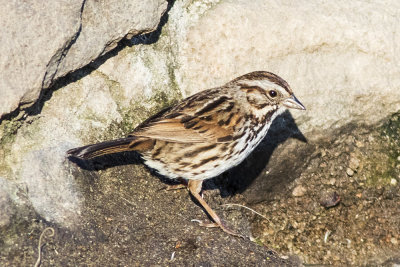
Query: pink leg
x,y
195,188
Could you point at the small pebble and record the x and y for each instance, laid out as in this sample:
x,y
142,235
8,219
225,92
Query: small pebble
x,y
270,232
354,163
329,199
398,158
393,181
332,181
299,191
349,172
394,241
348,243
359,144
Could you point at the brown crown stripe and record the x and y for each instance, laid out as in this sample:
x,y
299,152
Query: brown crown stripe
x,y
212,105
259,75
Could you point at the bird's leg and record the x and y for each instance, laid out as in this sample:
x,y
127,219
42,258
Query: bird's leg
x,y
194,187
183,184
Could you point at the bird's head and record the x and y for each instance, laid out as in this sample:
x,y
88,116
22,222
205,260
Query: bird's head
x,y
264,89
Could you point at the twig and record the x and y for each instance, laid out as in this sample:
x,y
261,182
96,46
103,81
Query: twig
x,y
129,202
242,206
39,259
326,236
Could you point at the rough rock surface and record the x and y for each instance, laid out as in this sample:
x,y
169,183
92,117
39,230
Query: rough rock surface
x,y
42,41
341,60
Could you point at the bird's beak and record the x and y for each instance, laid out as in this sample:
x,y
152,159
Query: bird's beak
x,y
293,102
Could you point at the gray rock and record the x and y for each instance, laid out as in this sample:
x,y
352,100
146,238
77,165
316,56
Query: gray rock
x,y
42,41
354,162
349,172
299,191
6,205
53,192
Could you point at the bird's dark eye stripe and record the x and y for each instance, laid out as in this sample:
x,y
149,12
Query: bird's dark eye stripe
x,y
250,89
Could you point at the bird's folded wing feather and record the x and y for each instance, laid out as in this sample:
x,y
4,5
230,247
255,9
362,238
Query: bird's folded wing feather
x,y
212,121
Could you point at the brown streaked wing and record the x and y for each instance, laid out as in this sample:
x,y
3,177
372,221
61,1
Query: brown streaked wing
x,y
195,120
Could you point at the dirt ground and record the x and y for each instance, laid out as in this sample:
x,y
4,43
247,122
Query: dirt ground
x,y
344,209
332,203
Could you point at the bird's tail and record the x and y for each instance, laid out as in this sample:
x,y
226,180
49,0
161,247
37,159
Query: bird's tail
x,y
104,148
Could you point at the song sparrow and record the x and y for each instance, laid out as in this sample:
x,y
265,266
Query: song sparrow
x,y
207,133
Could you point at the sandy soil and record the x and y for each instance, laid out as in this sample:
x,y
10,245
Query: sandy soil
x,y
332,202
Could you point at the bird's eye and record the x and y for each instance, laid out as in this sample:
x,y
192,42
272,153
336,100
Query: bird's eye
x,y
272,93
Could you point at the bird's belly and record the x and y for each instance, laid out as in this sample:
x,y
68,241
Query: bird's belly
x,y
190,161
200,161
